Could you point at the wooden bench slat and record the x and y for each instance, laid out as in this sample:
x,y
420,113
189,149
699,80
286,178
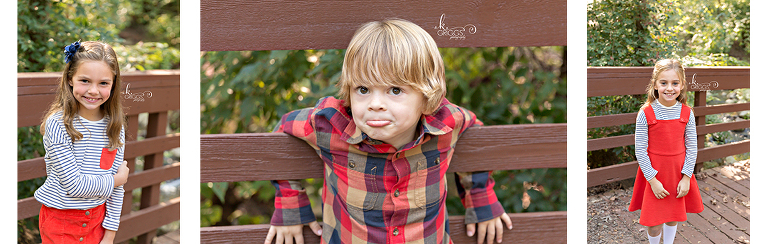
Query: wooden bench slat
x,y
536,227
629,118
627,140
153,176
617,172
269,25
614,81
35,168
148,219
253,156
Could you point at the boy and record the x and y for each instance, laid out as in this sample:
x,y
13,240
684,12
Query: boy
x,y
386,145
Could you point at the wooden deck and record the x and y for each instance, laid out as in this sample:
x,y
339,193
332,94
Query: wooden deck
x,y
725,219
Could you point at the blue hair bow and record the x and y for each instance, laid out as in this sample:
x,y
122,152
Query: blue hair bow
x,y
70,50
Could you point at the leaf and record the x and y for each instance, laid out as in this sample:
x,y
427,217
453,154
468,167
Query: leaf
x,y
220,189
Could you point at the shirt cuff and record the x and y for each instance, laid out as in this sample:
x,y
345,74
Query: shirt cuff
x,y
293,209
481,207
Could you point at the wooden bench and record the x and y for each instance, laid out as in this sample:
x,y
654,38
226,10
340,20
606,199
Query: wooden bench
x,y
614,81
246,25
36,92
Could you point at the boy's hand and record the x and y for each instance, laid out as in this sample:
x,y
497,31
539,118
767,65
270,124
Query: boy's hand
x,y
683,186
109,237
658,188
286,234
490,229
122,174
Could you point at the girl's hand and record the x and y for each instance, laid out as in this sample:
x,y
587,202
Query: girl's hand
x,y
683,186
490,229
122,174
286,234
109,237
658,188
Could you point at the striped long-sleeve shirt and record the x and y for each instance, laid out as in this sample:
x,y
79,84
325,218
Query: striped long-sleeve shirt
x,y
376,193
76,179
641,138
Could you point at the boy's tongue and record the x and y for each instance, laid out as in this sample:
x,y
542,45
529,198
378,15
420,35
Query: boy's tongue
x,y
377,123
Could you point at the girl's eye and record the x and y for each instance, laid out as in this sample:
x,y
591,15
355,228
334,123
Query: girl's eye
x,y
362,90
396,90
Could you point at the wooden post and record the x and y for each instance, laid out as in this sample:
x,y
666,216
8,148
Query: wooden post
x,y
150,195
700,100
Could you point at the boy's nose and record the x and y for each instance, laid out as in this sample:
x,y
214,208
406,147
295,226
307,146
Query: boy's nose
x,y
376,103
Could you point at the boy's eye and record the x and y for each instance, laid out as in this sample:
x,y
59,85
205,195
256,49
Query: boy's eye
x,y
362,90
396,90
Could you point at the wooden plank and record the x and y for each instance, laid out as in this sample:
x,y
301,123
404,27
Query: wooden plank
x,y
537,227
743,191
613,173
36,92
688,233
35,168
723,224
27,208
148,219
223,157
629,118
227,25
717,191
150,195
721,151
153,176
711,232
613,81
610,120
610,142
725,213
712,128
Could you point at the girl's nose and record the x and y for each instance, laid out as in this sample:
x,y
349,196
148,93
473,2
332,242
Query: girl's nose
x,y
93,89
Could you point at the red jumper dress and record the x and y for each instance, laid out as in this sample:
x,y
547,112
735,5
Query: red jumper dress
x,y
666,149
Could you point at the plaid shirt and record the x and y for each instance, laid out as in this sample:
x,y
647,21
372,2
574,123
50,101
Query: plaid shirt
x,y
374,192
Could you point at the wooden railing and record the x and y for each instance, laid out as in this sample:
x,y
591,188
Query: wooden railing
x,y
35,93
254,156
613,81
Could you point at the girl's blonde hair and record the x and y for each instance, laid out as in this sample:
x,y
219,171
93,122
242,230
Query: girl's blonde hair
x,y
394,52
662,66
65,101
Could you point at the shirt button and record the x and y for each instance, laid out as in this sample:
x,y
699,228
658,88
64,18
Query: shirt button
x,y
84,225
397,194
437,161
352,165
87,213
395,232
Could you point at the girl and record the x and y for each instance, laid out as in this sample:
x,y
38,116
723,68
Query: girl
x,y
665,146
84,142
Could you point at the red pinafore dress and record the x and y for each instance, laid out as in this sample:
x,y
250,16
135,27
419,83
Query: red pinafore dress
x,y
666,149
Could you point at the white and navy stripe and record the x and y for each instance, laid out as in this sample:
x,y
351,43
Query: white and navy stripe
x,y
641,138
75,180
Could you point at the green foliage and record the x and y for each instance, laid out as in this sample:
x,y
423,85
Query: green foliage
x,y
249,91
46,27
626,33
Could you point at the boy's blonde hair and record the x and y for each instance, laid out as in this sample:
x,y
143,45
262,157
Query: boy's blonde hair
x,y
65,101
661,66
394,52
